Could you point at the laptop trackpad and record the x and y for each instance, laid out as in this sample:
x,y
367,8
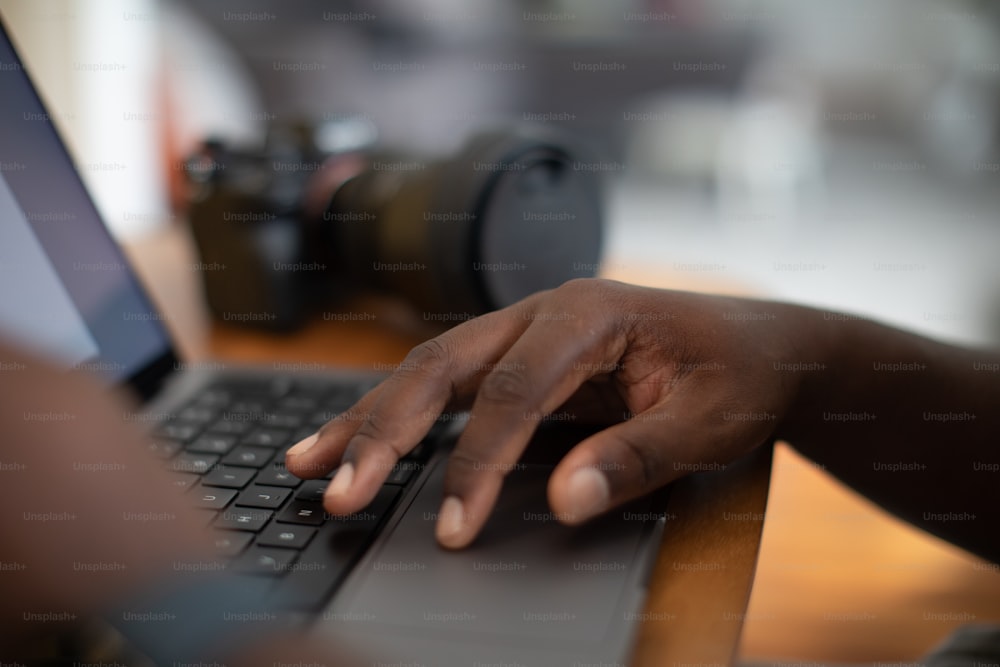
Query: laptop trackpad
x,y
526,575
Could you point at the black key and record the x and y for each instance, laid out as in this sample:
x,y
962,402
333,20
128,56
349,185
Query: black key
x,y
213,398
440,427
419,453
234,427
267,437
196,414
242,518
315,387
372,515
402,472
273,387
196,463
307,513
164,449
212,443
275,475
266,562
298,402
312,490
251,457
180,431
267,497
184,481
319,418
343,394
264,418
287,419
230,542
286,535
214,498
302,513
251,410
233,478
248,417
301,434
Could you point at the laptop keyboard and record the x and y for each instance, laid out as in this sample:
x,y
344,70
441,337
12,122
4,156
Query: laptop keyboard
x,y
227,450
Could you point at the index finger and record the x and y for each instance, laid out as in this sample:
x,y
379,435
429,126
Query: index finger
x,y
408,403
540,372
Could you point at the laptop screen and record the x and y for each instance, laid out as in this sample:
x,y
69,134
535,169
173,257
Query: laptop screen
x,y
66,291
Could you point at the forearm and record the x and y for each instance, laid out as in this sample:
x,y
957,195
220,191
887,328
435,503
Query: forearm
x,y
909,422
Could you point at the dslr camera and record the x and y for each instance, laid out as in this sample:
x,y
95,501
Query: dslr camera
x,y
319,212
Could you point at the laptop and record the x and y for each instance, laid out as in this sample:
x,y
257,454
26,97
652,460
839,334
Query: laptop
x,y
529,591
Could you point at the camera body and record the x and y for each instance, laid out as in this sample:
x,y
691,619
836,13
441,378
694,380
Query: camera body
x,y
283,229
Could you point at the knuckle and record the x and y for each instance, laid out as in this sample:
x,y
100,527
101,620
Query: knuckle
x,y
372,444
594,303
341,423
465,472
373,429
647,462
506,386
430,356
379,437
463,462
328,430
583,287
339,426
576,284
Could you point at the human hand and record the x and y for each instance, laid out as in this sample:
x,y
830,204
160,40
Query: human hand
x,y
89,515
685,382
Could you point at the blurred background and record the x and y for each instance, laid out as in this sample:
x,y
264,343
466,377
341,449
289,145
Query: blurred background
x,y
840,154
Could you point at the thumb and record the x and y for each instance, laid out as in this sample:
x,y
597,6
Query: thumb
x,y
635,457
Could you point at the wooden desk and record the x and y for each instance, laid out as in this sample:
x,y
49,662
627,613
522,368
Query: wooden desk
x,y
701,584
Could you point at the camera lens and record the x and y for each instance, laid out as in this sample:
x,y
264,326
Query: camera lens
x,y
510,215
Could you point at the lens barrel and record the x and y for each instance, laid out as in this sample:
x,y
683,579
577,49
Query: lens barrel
x,y
511,214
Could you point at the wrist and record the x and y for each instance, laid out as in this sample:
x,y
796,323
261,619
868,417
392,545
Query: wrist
x,y
813,345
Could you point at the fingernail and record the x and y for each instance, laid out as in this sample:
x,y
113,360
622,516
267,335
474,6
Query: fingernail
x,y
588,493
303,445
342,480
451,518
